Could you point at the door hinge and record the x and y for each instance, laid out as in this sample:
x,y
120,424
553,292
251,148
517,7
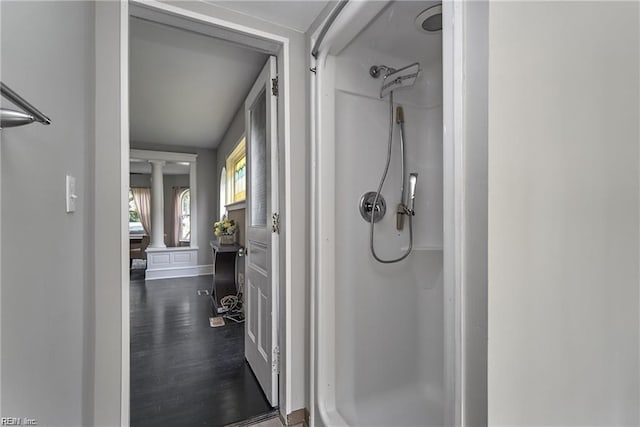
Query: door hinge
x,y
275,360
275,223
274,86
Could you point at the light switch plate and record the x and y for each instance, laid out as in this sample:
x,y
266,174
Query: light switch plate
x,y
71,193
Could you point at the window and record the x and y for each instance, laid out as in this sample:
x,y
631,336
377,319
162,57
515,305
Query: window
x,y
236,174
185,216
135,225
239,181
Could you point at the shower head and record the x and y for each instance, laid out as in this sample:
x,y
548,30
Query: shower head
x,y
403,77
430,20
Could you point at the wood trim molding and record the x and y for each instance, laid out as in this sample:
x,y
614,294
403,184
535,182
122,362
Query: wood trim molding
x,y
236,206
162,155
176,272
229,32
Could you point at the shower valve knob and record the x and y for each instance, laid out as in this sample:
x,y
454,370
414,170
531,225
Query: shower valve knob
x,y
369,209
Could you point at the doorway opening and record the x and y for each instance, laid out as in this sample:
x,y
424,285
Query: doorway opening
x,y
204,266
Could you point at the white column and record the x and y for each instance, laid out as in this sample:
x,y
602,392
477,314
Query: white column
x,y
157,205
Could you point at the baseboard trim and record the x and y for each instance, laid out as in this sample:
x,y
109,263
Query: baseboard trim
x,y
177,272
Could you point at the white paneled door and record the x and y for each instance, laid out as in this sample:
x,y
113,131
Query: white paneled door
x,y
262,230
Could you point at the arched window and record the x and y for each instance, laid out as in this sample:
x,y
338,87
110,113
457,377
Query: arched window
x,y
223,191
185,216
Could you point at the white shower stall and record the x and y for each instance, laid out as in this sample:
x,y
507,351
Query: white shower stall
x,y
383,350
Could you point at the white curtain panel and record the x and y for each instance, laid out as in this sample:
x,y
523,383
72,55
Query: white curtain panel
x,y
142,197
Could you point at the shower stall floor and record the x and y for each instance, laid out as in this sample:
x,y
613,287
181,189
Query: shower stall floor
x,y
410,406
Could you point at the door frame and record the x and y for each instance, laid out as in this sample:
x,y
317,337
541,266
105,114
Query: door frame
x,y
253,38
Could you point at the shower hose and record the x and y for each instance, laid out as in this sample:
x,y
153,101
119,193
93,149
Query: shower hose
x,y
375,200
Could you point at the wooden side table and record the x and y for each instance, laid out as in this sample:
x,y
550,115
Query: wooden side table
x,y
224,273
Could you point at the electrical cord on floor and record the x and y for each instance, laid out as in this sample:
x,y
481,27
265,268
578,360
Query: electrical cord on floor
x,y
230,302
233,304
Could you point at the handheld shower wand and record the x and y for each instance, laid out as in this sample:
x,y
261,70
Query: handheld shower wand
x,y
413,181
402,206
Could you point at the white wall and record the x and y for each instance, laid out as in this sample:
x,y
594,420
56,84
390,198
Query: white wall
x,y
563,213
139,180
232,136
207,189
47,54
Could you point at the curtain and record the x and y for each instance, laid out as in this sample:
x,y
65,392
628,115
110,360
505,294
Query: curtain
x,y
142,197
174,239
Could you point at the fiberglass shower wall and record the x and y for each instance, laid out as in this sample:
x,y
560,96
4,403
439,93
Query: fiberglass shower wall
x,y
388,330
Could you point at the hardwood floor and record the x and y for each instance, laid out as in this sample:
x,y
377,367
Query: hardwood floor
x,y
183,372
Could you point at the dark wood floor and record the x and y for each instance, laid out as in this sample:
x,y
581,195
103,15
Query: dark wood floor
x,y
183,372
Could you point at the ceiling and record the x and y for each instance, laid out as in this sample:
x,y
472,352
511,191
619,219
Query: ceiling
x,y
395,31
185,88
297,15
